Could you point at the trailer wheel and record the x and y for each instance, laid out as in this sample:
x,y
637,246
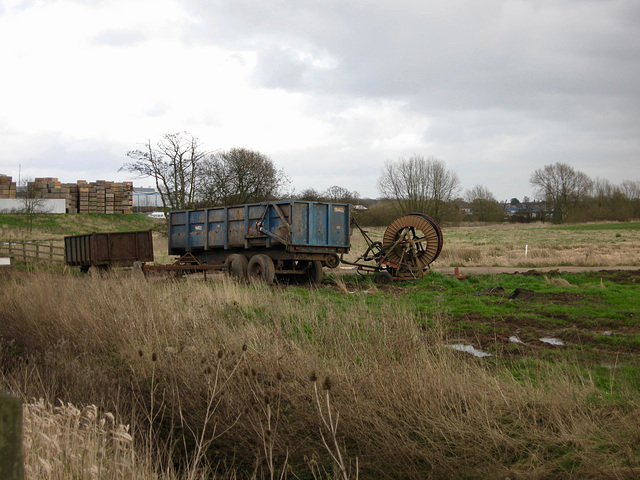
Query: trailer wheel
x,y
313,273
383,278
261,269
316,275
332,260
237,266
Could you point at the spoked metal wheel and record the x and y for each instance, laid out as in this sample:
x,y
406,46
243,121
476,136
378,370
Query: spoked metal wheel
x,y
412,242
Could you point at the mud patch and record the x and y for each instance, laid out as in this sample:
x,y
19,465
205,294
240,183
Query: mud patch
x,y
363,289
616,276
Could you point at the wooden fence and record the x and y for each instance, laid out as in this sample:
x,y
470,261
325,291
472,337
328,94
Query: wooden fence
x,y
32,251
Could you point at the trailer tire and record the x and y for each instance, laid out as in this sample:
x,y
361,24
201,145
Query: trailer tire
x,y
261,269
383,278
313,273
332,260
316,273
237,266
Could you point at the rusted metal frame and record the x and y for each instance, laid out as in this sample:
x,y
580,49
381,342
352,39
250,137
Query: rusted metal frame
x,y
379,257
187,258
281,215
364,234
408,267
290,271
281,255
174,267
402,263
274,236
260,226
370,244
372,268
324,250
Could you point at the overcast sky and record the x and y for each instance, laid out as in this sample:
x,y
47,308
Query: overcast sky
x,y
329,89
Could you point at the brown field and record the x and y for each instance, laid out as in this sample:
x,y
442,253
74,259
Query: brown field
x,y
528,245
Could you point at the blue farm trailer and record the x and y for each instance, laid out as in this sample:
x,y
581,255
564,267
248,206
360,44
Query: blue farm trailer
x,y
288,239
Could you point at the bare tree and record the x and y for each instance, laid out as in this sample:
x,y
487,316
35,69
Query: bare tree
x,y
484,205
31,200
631,189
174,165
562,187
339,194
419,184
239,176
310,195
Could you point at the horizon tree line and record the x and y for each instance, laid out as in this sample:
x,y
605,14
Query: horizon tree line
x,y
187,176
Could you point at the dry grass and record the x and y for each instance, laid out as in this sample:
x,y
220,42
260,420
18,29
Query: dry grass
x,y
536,245
526,245
258,382
68,442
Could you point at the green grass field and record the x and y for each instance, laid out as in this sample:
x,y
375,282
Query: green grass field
x,y
54,227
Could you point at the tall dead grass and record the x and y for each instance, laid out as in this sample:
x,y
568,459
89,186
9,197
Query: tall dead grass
x,y
256,382
65,441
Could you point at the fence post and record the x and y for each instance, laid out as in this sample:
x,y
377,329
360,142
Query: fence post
x,y
24,251
51,253
11,466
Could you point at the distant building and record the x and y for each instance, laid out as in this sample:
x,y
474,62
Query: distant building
x,y
526,211
146,198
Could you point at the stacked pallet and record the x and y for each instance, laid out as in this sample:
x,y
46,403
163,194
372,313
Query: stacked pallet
x,y
46,188
83,196
72,197
105,197
123,197
98,188
52,188
7,187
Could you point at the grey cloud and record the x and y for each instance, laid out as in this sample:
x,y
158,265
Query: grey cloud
x,y
55,155
534,82
279,68
460,54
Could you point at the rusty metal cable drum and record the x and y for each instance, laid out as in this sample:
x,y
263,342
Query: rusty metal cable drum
x,y
414,238
436,227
